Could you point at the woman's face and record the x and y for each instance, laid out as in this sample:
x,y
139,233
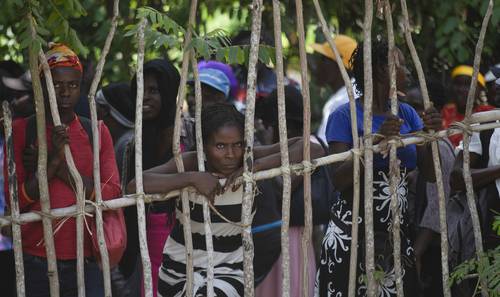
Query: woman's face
x,y
460,86
152,97
224,150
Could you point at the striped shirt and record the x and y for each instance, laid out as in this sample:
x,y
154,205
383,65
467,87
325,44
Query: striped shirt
x,y
227,243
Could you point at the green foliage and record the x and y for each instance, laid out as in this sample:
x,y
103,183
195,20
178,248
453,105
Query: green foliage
x,y
445,32
51,23
163,32
487,268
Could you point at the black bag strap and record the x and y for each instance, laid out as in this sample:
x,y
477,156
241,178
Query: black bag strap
x,y
321,142
30,132
485,137
31,135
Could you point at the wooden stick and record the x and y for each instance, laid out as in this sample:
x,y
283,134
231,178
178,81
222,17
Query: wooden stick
x,y
471,201
307,232
201,167
139,185
435,154
355,137
188,241
43,184
372,287
248,193
285,160
14,199
96,149
394,171
75,174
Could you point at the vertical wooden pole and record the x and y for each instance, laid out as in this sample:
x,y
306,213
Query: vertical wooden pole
x,y
139,185
188,241
42,163
307,234
75,174
201,167
14,199
471,201
96,149
248,192
285,161
355,138
372,288
435,154
394,163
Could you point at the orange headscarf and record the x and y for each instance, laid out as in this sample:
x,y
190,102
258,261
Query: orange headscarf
x,y
59,55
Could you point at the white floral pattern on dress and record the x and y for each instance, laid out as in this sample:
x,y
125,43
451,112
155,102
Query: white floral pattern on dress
x,y
333,272
384,196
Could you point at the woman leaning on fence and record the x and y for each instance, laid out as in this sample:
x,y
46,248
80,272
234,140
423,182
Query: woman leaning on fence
x,y
223,132
333,272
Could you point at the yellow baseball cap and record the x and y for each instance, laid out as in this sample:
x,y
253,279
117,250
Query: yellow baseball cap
x,y
467,70
345,44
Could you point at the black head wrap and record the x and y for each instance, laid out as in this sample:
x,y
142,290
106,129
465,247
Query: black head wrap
x,y
118,95
168,81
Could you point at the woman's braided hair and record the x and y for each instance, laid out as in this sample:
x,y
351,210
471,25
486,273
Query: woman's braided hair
x,y
220,115
379,60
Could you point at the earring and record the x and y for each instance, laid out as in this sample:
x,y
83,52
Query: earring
x,y
483,98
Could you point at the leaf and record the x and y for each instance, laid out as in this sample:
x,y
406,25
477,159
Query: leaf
x,y
153,18
42,31
233,55
220,55
241,56
77,44
131,30
18,3
53,18
79,9
451,23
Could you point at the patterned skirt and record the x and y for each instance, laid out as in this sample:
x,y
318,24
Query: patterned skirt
x,y
333,274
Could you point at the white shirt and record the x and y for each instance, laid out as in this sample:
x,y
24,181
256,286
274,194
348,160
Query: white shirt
x,y
494,149
337,99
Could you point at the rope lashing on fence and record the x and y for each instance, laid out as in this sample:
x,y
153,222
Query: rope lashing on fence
x,y
464,127
297,168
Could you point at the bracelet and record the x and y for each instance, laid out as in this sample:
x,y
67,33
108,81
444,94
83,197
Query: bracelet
x,y
25,195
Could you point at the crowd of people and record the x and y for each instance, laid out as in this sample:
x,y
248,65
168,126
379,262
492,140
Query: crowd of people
x,y
223,104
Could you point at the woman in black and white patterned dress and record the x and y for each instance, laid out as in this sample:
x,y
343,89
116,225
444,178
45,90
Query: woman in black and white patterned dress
x,y
333,274
223,128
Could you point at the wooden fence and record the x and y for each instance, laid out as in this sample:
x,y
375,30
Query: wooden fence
x,y
362,149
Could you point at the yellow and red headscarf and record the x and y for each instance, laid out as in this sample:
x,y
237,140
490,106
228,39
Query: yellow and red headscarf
x,y
59,55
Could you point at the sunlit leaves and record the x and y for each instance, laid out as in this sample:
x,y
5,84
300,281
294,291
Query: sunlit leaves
x,y
51,24
164,32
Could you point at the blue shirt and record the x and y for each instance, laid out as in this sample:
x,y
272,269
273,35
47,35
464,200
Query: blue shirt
x,y
5,242
338,129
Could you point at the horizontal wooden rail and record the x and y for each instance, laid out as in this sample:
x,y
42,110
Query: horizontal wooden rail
x,y
479,122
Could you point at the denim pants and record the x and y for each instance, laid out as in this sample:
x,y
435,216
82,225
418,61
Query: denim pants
x,y
37,281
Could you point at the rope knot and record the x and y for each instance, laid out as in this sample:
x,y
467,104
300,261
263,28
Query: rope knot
x,y
463,126
285,170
